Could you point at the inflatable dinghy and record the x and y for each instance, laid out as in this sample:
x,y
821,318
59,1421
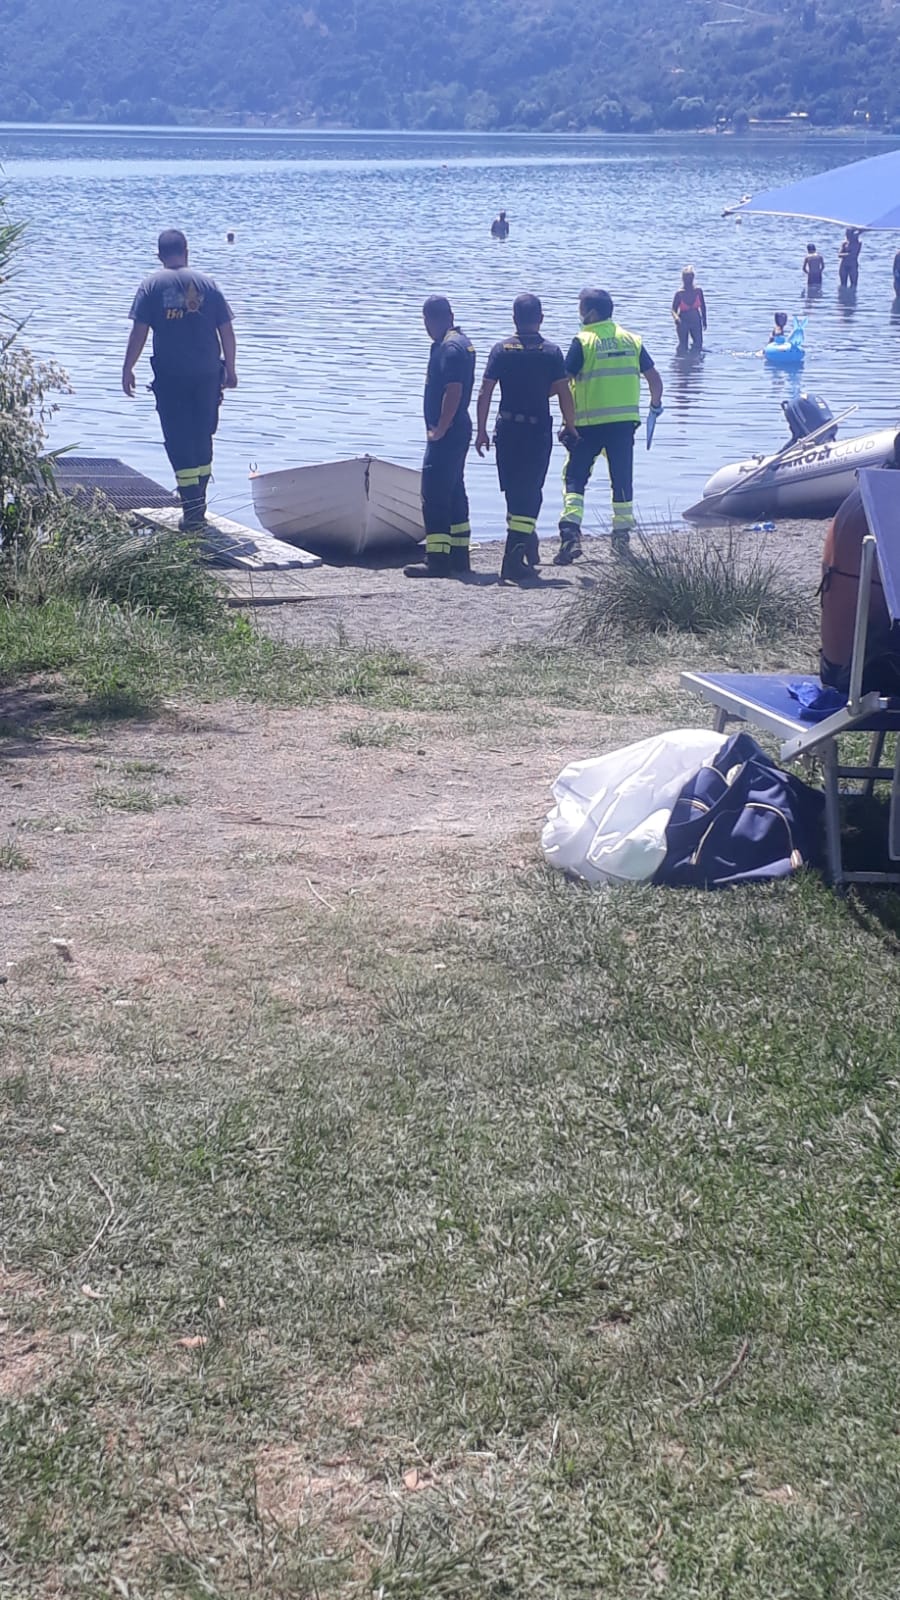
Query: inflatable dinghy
x,y
808,477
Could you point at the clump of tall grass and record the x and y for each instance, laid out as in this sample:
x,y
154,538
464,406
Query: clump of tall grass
x,y
683,582
65,548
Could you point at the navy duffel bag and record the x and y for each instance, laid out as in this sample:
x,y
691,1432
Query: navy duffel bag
x,y
741,820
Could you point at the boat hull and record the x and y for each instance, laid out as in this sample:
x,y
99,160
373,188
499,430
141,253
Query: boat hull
x,y
342,508
807,483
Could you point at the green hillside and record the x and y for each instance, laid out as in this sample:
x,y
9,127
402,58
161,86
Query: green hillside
x,y
433,64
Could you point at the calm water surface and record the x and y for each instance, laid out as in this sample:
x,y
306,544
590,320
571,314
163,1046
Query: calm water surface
x,y
341,236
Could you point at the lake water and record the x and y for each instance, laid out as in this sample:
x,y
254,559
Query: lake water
x,y
340,236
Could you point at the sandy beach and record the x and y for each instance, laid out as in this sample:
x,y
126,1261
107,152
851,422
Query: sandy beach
x,y
375,604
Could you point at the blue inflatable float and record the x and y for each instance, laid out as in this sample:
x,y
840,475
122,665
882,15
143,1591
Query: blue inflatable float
x,y
787,350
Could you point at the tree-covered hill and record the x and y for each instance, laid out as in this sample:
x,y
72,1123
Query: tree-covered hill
x,y
628,64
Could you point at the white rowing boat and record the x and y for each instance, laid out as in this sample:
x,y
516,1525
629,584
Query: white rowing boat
x,y
341,508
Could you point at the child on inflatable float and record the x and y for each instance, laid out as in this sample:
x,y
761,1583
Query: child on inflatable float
x,y
785,349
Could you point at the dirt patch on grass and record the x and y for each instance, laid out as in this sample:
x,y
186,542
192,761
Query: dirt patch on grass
x,y
782,1496
28,1360
284,828
17,1285
292,1491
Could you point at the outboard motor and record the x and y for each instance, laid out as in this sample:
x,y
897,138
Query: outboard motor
x,y
805,414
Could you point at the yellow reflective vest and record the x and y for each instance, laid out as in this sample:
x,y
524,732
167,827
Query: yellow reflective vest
x,y
608,387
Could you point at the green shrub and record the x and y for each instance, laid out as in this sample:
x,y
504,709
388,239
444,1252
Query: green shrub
x,y
689,582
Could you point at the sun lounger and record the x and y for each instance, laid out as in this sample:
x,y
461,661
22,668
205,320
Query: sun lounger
x,y
765,700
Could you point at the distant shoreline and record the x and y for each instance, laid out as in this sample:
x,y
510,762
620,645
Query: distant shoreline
x,y
764,130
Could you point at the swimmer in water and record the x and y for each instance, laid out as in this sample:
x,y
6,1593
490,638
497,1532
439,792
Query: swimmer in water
x,y
780,329
848,259
813,267
689,313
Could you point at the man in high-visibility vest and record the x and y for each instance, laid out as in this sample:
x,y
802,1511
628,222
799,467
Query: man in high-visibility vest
x,y
605,363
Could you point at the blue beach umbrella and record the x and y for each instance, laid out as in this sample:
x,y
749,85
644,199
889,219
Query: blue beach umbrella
x,y
864,194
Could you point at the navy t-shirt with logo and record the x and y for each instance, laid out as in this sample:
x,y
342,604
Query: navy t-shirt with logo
x,y
185,310
452,360
526,366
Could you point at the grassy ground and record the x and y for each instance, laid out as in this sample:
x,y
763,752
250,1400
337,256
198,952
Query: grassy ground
x,y
100,662
545,1245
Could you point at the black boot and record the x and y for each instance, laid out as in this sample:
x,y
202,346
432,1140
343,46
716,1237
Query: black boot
x,y
460,565
193,508
569,544
533,550
515,567
436,566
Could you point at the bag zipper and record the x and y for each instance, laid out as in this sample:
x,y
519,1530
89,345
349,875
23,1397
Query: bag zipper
x,y
795,857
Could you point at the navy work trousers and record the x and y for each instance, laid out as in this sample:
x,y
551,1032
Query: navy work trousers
x,y
615,440
188,410
523,456
445,504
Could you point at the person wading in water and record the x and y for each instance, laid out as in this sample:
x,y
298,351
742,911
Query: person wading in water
x,y
848,259
813,267
689,313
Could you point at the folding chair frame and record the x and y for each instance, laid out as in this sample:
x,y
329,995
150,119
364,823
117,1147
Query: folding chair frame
x,y
822,737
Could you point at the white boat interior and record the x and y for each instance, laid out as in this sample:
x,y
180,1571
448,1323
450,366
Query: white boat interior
x,y
341,508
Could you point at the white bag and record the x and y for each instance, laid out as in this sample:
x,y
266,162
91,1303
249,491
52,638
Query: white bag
x,y
611,814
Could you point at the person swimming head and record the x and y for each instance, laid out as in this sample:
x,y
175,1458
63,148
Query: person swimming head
x,y
229,237
781,318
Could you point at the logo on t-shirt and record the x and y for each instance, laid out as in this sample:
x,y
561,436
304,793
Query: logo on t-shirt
x,y
178,299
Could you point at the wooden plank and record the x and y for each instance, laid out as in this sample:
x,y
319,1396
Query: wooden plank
x,y
231,544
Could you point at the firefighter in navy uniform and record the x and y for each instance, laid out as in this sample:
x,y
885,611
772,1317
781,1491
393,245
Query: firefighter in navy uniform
x,y
606,364
448,391
529,369
193,361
